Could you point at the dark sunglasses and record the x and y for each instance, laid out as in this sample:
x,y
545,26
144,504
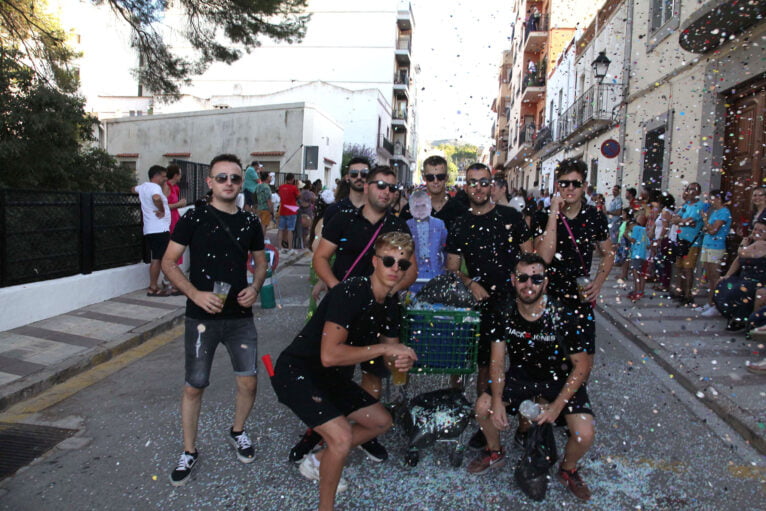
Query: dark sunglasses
x,y
566,183
431,177
389,261
483,182
221,178
537,279
382,185
356,173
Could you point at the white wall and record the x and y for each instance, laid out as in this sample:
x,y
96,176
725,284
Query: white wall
x,y
21,304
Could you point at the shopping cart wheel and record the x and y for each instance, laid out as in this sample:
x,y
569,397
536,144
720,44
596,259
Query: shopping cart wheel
x,y
412,458
456,456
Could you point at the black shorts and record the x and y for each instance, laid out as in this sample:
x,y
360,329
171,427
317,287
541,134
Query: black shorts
x,y
317,394
157,243
518,387
248,197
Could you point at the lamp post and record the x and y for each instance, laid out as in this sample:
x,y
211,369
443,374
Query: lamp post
x,y
600,66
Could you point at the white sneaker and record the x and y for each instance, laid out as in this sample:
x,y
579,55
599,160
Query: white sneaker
x,y
709,312
309,468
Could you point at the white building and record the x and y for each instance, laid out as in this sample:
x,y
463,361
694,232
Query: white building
x,y
276,135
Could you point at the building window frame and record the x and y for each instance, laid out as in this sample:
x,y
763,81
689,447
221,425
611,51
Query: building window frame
x,y
659,122
667,26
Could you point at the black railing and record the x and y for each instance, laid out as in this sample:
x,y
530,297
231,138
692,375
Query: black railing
x,y
543,137
533,80
536,24
386,144
595,104
527,134
193,186
400,115
46,235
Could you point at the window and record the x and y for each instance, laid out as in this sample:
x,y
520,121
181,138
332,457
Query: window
x,y
663,21
654,156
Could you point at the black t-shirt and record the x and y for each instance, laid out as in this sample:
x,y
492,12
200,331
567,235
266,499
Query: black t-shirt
x,y
350,231
214,257
589,227
335,207
451,210
490,244
540,349
351,305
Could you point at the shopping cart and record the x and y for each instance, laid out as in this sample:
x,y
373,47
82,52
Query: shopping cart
x,y
446,343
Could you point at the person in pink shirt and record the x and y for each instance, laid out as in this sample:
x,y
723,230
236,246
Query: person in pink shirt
x,y
288,211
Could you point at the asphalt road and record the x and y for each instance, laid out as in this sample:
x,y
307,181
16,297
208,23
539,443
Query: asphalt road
x,y
656,448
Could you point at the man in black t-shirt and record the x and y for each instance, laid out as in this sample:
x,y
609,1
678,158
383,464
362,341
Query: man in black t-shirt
x,y
549,362
356,176
490,239
357,321
443,207
348,236
569,217
221,238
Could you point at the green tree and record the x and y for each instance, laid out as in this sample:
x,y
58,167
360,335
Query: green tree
x,y
459,157
216,30
352,150
44,136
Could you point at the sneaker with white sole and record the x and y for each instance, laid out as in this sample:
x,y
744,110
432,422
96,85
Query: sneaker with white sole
x,y
309,468
709,312
243,446
183,471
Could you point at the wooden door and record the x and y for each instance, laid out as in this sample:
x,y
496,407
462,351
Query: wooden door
x,y
744,165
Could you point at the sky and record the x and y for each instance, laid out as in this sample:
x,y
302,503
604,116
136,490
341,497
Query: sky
x,y
459,50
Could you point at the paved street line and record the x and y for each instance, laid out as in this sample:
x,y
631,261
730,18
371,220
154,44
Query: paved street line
x,y
61,391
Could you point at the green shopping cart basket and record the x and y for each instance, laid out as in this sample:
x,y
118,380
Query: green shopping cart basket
x,y
445,341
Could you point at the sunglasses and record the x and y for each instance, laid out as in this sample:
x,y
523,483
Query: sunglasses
x,y
389,261
537,279
382,185
222,178
483,182
356,173
566,183
432,177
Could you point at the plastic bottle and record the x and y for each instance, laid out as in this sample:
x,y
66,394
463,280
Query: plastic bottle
x,y
529,409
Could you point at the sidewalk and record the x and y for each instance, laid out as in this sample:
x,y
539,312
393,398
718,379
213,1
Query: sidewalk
x,y
697,352
37,356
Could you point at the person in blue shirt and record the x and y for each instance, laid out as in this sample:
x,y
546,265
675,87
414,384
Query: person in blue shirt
x,y
639,250
716,225
688,222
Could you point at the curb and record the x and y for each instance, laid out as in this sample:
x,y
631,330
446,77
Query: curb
x,y
719,404
36,383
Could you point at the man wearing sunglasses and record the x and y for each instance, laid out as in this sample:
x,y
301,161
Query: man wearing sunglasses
x,y
348,235
356,177
442,206
490,239
569,217
357,321
549,363
221,238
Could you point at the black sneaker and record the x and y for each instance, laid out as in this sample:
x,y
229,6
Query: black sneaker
x,y
374,450
478,440
243,446
180,475
308,441
520,438
736,325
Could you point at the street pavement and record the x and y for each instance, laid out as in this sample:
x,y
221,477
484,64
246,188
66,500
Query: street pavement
x,y
657,445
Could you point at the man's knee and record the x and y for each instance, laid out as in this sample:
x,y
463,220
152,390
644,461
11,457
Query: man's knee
x,y
483,404
191,392
247,384
338,437
581,429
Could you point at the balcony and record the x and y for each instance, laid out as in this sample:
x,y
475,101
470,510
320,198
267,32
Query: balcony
x,y
385,146
533,88
401,84
404,17
590,114
399,120
536,34
518,152
543,138
403,50
718,21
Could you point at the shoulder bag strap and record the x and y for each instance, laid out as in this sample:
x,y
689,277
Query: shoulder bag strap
x,y
361,254
227,230
574,242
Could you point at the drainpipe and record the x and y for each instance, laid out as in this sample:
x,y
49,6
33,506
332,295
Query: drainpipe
x,y
626,59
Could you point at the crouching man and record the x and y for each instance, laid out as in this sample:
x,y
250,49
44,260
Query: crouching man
x,y
550,363
357,321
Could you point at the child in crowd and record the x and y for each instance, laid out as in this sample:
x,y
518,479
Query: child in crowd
x,y
623,247
639,249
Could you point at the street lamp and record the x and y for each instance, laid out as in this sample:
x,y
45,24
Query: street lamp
x,y
600,65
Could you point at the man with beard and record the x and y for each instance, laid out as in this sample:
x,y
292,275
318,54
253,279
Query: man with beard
x,y
566,236
490,239
221,238
442,206
550,363
349,235
356,176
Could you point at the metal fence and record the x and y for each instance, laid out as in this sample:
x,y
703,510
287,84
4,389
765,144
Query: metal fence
x,y
193,186
46,235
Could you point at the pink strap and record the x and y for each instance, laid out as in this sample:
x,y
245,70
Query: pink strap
x,y
361,254
574,241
